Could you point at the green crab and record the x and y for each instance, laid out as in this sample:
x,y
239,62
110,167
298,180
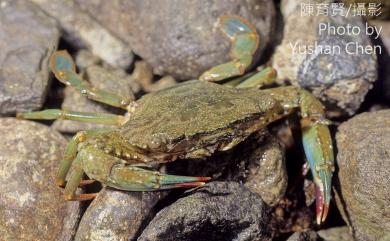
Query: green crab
x,y
191,120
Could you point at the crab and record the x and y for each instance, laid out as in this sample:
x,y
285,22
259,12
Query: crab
x,y
190,120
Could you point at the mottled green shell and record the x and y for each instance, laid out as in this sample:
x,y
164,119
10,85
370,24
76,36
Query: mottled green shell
x,y
192,108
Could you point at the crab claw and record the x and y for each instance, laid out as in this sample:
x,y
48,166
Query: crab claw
x,y
172,181
323,194
135,178
322,208
319,152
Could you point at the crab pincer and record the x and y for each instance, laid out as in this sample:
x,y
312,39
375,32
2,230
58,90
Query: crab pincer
x,y
140,179
317,144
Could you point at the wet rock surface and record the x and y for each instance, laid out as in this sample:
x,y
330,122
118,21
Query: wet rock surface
x,y
217,211
115,215
331,234
267,175
23,58
304,236
31,205
163,32
84,31
336,234
364,170
108,79
341,80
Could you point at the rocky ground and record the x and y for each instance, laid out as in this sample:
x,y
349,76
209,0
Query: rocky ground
x,y
132,48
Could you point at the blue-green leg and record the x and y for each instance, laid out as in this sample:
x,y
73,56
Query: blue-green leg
x,y
70,154
53,114
317,141
63,67
74,181
265,77
245,42
125,175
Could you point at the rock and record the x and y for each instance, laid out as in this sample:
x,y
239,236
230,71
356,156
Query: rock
x,y
331,234
336,234
341,80
258,162
304,236
85,59
143,74
116,215
267,175
217,211
163,83
83,30
31,205
382,8
24,54
113,80
364,170
385,32
179,38
382,85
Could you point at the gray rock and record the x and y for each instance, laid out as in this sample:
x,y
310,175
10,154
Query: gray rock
x,y
267,174
383,8
83,30
217,211
24,55
85,59
364,170
143,74
339,79
31,205
258,162
304,236
179,38
112,80
382,85
336,234
115,215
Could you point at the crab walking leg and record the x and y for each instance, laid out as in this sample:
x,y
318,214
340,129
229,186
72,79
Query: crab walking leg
x,y
74,181
120,174
256,79
53,114
63,67
245,42
70,154
265,77
317,141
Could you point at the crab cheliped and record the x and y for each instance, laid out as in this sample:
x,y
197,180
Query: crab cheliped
x,y
191,120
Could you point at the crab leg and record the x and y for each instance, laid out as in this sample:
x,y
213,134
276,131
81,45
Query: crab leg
x,y
245,42
64,69
263,78
70,154
130,175
53,114
133,178
316,141
74,181
257,80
